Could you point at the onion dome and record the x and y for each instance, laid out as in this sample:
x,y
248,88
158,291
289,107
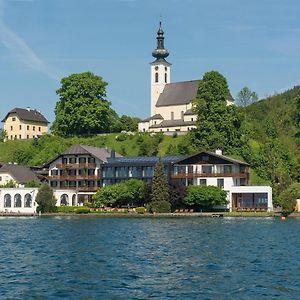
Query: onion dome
x,y
160,52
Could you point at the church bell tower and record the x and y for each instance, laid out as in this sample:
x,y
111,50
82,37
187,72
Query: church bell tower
x,y
160,69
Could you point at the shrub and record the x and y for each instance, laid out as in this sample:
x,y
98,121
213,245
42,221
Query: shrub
x,y
160,207
121,137
45,199
140,210
175,135
82,210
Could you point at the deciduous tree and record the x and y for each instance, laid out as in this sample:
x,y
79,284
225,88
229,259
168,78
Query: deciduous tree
x,y
45,199
246,97
82,108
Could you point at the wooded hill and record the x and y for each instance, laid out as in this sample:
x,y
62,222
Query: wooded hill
x,y
270,143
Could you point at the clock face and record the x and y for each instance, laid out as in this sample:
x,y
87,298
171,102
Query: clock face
x,y
156,68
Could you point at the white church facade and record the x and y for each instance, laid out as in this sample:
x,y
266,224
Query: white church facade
x,y
171,103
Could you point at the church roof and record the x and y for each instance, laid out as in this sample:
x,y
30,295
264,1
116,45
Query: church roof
x,y
189,112
27,115
155,117
178,93
173,123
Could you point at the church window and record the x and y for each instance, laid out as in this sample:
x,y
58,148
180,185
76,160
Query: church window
x,y
166,78
156,77
20,127
11,128
166,69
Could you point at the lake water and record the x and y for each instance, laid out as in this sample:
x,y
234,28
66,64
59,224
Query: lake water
x,y
153,258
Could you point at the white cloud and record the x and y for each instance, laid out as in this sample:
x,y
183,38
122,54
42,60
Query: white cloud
x,y
20,50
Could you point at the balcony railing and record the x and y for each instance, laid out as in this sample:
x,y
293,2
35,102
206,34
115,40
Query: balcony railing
x,y
74,177
80,188
76,166
198,174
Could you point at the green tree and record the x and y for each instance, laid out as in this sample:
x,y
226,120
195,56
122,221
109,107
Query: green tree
x,y
32,183
160,187
287,198
205,197
9,184
82,108
246,97
3,135
130,192
45,199
217,124
128,123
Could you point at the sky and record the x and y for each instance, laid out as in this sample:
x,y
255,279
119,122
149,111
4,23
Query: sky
x,y
252,43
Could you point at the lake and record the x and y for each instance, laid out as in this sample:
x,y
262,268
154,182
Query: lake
x,y
149,258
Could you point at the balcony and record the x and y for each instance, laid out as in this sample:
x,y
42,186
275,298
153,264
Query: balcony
x,y
76,166
80,188
181,175
74,177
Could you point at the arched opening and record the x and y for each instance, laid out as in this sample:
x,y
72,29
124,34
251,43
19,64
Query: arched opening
x,y
17,200
28,200
156,77
7,200
74,200
64,199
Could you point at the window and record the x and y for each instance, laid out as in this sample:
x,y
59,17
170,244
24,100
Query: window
x,y
227,169
156,77
220,182
7,200
28,200
205,158
72,160
207,169
91,160
13,119
172,115
33,128
192,119
64,199
82,160
20,127
0,178
20,136
39,128
27,127
166,69
202,181
27,136
53,183
182,115
17,200
166,78
11,128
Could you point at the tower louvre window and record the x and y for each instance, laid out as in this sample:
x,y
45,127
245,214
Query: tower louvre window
x,y
156,77
166,77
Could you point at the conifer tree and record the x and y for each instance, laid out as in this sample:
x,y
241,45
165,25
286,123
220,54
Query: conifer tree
x,y
160,187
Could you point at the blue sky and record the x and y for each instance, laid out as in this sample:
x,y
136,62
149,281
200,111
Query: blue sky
x,y
252,43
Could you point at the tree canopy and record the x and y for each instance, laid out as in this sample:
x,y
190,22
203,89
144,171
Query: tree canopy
x,y
246,97
82,108
218,124
45,199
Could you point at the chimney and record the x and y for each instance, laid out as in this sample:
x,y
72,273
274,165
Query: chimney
x,y
219,152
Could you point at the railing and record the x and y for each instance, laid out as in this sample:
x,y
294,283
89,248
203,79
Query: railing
x,y
76,166
80,188
199,174
74,177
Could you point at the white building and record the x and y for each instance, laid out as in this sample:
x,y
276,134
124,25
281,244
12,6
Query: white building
x,y
215,169
171,103
18,200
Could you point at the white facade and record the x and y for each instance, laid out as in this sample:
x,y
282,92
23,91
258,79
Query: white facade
x,y
5,177
160,76
18,200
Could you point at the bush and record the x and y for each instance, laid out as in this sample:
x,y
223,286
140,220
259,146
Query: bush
x,y
121,137
175,135
140,210
160,207
82,210
66,209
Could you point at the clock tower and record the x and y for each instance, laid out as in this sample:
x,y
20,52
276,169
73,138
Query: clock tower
x,y
160,69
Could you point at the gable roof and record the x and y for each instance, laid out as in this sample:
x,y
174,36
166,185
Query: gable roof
x,y
27,115
219,156
178,93
155,117
21,174
101,153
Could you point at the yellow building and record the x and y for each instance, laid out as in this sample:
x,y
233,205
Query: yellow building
x,y
24,124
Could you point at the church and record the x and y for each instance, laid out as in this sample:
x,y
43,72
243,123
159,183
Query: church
x,y
171,103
